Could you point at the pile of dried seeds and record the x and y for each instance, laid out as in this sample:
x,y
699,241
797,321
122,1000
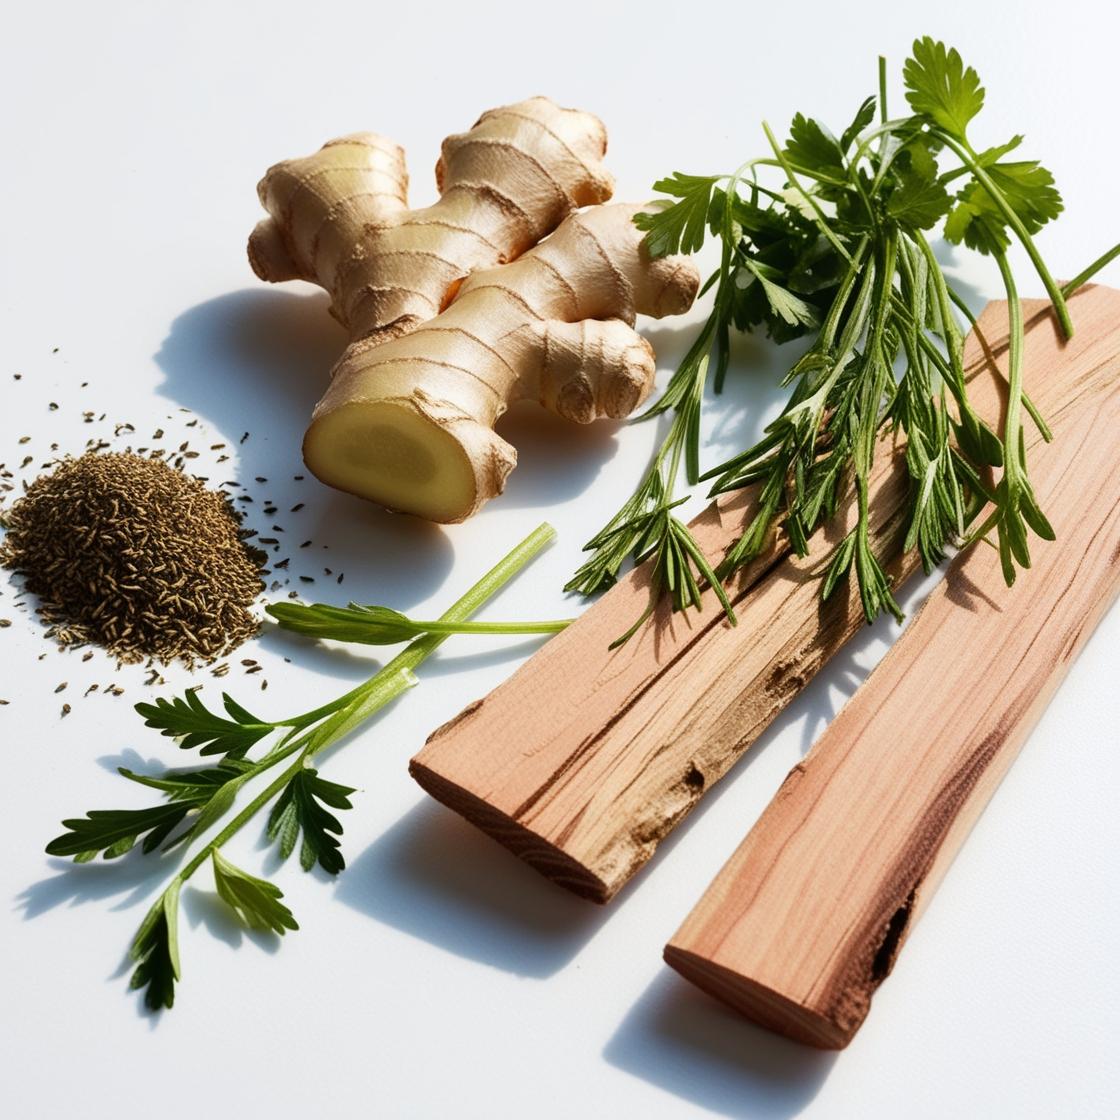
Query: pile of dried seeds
x,y
133,554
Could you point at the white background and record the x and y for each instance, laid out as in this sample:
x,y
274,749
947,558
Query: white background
x,y
438,976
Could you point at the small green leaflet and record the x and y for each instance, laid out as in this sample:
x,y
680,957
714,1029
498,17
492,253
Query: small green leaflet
x,y
814,148
678,227
186,717
993,155
918,202
298,809
155,948
1030,191
190,785
783,302
255,901
115,831
864,116
941,87
370,625
1026,186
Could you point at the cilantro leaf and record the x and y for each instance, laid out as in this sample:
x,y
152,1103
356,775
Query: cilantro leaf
x,y
298,809
941,87
155,948
678,227
812,147
186,717
255,901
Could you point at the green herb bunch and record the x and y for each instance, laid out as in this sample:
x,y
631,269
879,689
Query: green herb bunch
x,y
303,803
837,249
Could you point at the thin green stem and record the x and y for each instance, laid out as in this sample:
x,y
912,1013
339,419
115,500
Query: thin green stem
x,y
1013,464
383,687
552,626
1086,274
967,157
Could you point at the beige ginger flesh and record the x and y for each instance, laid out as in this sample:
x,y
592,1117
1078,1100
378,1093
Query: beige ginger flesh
x,y
444,333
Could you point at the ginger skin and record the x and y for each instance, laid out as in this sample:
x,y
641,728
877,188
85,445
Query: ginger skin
x,y
340,218
444,334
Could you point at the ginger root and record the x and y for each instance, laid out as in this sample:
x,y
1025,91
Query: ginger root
x,y
444,333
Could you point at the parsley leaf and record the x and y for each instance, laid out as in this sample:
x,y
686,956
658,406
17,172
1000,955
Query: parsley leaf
x,y
187,718
115,831
788,307
155,948
977,219
678,227
864,116
298,809
918,202
811,147
255,901
1029,189
941,87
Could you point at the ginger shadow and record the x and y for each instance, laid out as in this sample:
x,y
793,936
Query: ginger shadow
x,y
256,361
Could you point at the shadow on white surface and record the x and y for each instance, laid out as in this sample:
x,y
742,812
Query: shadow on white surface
x,y
134,877
684,1041
258,360
265,354
436,877
205,908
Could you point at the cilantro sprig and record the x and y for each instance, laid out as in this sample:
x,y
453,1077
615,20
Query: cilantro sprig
x,y
836,247
303,803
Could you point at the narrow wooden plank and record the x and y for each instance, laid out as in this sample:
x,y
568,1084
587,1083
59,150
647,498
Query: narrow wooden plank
x,y
586,759
807,918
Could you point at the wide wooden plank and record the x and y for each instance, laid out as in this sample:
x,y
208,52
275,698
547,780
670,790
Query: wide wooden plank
x,y
586,758
807,918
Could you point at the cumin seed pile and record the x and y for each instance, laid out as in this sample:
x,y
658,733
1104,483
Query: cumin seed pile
x,y
132,554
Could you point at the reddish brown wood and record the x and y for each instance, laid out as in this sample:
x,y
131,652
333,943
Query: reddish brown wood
x,y
806,919
585,759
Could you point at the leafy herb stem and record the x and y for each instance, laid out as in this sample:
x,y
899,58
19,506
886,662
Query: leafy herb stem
x,y
299,794
967,156
822,222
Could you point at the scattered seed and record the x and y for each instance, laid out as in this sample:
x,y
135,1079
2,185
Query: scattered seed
x,y
65,710
61,687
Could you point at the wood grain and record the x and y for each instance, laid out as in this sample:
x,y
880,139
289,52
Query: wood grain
x,y
585,759
807,918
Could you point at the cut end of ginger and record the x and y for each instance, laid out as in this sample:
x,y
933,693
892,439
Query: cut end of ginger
x,y
389,453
